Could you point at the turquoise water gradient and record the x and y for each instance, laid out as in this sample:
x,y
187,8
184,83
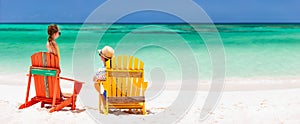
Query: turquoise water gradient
x,y
252,50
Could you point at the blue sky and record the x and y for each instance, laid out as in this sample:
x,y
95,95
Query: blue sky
x,y
220,11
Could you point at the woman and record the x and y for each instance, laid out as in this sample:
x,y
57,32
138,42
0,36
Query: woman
x,y
53,33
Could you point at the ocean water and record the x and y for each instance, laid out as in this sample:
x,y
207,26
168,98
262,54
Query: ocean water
x,y
251,50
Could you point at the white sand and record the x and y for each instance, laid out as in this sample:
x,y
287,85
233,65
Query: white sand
x,y
275,103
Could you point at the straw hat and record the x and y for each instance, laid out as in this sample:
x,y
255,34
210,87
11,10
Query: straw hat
x,y
106,52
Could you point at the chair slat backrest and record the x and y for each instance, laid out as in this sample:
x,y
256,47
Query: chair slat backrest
x,y
125,76
44,79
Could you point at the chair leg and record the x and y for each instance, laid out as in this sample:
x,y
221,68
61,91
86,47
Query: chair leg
x,y
73,107
106,108
144,109
42,104
73,102
30,103
130,110
61,105
27,94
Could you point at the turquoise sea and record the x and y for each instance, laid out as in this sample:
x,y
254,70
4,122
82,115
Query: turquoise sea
x,y
251,50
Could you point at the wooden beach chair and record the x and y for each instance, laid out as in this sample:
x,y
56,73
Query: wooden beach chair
x,y
45,72
124,85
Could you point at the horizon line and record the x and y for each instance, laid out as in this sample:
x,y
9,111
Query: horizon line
x,y
150,23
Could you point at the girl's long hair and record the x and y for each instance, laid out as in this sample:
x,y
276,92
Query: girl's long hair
x,y
52,29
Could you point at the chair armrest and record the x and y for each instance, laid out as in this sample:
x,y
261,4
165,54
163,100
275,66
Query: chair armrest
x,y
77,84
99,81
68,79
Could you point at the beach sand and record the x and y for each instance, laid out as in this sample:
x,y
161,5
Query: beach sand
x,y
239,103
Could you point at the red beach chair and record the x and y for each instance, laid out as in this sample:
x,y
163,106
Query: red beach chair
x,y
45,71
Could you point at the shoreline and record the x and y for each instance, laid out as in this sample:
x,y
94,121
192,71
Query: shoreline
x,y
271,106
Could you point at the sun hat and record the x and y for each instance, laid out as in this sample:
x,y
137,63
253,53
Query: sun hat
x,y
106,52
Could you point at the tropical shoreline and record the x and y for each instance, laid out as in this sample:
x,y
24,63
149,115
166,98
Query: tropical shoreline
x,y
264,106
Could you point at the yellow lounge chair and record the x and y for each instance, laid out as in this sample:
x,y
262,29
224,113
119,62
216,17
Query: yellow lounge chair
x,y
124,85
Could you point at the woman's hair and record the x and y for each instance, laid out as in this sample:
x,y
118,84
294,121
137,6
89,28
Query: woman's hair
x,y
52,29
